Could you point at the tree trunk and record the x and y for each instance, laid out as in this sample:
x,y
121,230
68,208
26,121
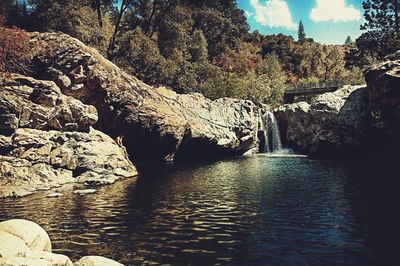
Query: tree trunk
x,y
111,46
396,17
99,13
150,27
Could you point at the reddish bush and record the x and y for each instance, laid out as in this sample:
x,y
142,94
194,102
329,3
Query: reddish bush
x,y
14,49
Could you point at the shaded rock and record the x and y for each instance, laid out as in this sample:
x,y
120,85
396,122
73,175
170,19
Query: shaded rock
x,y
29,103
156,123
38,160
334,123
34,236
96,261
383,81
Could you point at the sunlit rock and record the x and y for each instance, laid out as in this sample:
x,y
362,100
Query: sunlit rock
x,y
96,261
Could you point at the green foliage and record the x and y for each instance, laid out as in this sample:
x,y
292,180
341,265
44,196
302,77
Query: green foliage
x,y
139,54
382,36
197,47
174,33
348,41
301,33
200,46
382,15
74,17
308,81
354,76
271,80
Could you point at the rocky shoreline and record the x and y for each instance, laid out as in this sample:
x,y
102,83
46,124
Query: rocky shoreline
x,y
47,140
80,119
24,242
71,119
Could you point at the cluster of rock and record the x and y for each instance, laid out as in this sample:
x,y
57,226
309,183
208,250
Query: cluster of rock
x,y
46,140
333,123
350,120
156,123
23,242
46,134
383,82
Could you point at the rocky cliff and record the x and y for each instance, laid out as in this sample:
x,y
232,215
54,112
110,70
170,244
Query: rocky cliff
x,y
155,123
46,120
335,122
46,140
350,120
383,82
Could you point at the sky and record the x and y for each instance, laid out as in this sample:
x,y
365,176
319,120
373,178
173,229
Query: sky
x,y
326,21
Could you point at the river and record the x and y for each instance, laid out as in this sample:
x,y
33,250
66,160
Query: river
x,y
249,210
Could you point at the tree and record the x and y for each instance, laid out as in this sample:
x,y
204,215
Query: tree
x,y
270,83
141,56
197,47
348,41
301,33
124,6
331,61
174,32
100,5
383,35
382,15
77,18
282,46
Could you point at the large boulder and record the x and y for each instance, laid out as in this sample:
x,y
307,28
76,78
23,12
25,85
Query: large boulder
x,y
37,160
156,123
96,261
383,81
335,123
34,236
46,140
24,242
11,245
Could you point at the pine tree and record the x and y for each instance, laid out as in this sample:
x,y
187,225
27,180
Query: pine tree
x,y
301,33
348,41
382,15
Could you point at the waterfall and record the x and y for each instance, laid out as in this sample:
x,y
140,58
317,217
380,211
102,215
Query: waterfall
x,y
276,135
271,134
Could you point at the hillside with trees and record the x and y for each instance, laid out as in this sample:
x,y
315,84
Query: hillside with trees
x,y
205,46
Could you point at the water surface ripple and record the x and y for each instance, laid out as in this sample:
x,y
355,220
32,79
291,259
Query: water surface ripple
x,y
245,211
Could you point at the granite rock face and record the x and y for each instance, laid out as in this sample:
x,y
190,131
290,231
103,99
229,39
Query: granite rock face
x,y
24,242
47,140
383,81
156,123
335,122
29,103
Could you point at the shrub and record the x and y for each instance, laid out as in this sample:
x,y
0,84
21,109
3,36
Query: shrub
x,y
14,50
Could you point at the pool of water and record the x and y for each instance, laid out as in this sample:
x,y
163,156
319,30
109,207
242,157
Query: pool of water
x,y
254,210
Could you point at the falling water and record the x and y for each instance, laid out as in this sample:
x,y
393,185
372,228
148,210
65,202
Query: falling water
x,y
271,133
276,135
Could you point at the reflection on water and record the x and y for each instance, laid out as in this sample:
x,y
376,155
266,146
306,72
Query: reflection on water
x,y
245,211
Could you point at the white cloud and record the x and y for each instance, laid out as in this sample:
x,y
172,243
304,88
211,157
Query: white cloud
x,y
334,10
274,13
